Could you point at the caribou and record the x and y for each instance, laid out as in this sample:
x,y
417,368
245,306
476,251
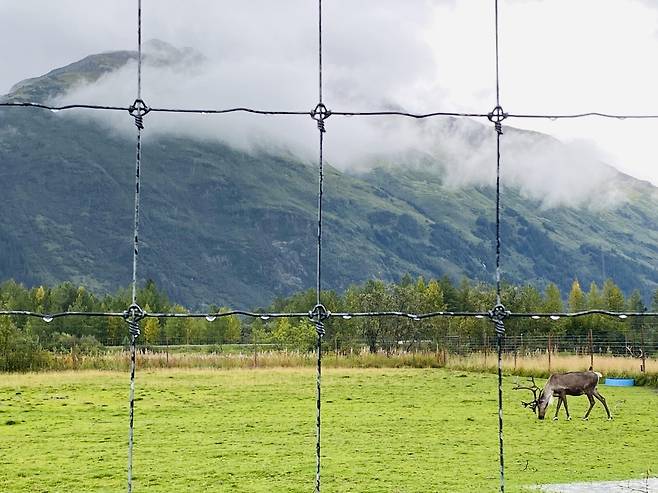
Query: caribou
x,y
561,385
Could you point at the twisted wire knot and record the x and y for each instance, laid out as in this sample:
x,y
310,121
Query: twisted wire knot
x,y
499,327
496,116
497,315
320,113
133,328
134,313
138,110
319,328
319,313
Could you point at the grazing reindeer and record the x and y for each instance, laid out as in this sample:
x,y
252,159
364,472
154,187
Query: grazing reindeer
x,y
561,385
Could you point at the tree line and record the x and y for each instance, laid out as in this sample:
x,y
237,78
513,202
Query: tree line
x,y
421,296
108,330
415,295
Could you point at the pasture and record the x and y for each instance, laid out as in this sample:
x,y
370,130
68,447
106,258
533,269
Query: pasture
x,y
246,430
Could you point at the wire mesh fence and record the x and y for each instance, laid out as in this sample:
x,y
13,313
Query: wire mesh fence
x,y
629,346
137,319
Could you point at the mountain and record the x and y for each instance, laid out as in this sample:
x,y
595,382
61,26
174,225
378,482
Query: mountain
x,y
223,226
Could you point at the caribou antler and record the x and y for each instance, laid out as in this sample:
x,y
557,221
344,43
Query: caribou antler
x,y
534,389
635,353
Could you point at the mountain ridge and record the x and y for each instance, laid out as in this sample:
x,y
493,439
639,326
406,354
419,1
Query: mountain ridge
x,y
227,227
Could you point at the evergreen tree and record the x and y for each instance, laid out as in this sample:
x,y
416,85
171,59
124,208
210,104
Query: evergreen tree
x,y
577,299
151,296
175,328
553,304
613,297
595,300
577,303
636,304
433,301
449,293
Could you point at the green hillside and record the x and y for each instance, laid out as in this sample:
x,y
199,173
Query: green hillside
x,y
227,227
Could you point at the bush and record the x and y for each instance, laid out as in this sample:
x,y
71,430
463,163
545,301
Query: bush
x,y
85,345
299,337
19,351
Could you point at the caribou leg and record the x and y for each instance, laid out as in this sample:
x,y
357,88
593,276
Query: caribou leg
x,y
591,405
602,399
559,403
566,409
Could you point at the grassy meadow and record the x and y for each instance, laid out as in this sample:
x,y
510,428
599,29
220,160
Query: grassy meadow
x,y
246,430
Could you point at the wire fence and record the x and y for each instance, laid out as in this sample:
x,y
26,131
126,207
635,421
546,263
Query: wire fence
x,y
633,345
537,356
454,345
318,314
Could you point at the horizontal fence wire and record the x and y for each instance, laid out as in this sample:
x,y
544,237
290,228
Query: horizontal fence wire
x,y
256,111
344,315
134,313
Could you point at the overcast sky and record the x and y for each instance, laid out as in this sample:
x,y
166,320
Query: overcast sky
x,y
557,56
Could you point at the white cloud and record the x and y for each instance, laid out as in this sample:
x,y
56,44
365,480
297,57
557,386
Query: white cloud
x,y
556,56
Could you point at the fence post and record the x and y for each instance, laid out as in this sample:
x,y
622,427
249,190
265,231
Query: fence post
x,y
643,366
486,343
516,352
522,346
255,350
591,349
550,343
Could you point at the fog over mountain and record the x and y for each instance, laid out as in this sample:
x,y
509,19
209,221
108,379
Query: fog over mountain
x,y
464,150
229,203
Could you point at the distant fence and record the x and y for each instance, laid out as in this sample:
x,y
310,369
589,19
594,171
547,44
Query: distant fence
x,y
454,344
555,344
535,355
521,345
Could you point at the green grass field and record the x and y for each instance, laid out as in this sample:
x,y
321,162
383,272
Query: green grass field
x,y
384,430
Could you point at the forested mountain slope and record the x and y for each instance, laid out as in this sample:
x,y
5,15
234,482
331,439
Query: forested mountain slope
x,y
233,228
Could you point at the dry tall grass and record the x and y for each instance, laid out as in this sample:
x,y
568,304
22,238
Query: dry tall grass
x,y
529,364
538,364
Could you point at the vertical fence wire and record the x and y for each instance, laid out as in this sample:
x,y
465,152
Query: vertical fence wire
x,y
134,324
319,314
500,332
318,288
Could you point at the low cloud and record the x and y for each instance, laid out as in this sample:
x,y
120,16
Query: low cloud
x,y
374,59
543,168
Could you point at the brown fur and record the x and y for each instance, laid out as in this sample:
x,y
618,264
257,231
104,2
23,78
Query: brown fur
x,y
561,385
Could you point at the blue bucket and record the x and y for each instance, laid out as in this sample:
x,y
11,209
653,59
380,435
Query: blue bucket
x,y
619,382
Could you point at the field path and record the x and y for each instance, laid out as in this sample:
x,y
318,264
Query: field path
x,y
638,485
